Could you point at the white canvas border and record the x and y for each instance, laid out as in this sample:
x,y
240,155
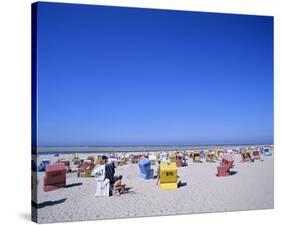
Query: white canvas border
x,y
15,108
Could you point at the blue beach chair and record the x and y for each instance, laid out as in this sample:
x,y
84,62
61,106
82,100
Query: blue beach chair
x,y
145,169
201,154
266,152
43,164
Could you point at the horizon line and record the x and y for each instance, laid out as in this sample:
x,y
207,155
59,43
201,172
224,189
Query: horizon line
x,y
153,145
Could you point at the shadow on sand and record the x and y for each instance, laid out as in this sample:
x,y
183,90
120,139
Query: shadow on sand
x,y
182,184
231,173
73,185
127,189
47,203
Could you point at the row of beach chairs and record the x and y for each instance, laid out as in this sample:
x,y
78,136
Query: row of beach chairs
x,y
55,174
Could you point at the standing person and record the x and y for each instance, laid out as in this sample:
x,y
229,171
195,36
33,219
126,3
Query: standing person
x,y
109,172
157,169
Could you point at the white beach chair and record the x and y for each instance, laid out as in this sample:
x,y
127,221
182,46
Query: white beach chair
x,y
102,188
164,157
103,184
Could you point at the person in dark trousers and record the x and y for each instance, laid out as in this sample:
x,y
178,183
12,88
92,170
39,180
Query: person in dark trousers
x,y
109,172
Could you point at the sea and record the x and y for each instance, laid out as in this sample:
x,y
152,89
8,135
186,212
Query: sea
x,y
127,149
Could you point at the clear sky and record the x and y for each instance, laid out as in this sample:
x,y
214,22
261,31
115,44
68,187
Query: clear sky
x,y
125,76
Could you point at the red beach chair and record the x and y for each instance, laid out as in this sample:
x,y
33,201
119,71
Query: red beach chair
x,y
221,171
55,177
224,169
66,163
256,155
91,158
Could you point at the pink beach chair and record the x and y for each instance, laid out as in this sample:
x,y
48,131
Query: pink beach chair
x,y
224,169
256,155
55,177
66,163
91,158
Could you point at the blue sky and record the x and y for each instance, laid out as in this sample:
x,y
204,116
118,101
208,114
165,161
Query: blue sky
x,y
125,76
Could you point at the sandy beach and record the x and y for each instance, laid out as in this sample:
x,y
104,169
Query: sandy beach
x,y
250,187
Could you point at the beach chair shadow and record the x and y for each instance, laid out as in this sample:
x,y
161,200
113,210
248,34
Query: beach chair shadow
x,y
231,173
47,203
73,185
182,184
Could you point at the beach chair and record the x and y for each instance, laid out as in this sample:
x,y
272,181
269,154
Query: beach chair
x,y
164,157
86,169
103,185
224,168
66,163
196,157
168,176
145,169
220,155
202,155
211,157
246,156
122,162
152,157
256,155
172,158
135,158
266,152
91,158
43,164
76,161
55,177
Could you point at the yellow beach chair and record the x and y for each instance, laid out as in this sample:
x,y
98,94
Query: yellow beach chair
x,y
211,157
196,157
168,176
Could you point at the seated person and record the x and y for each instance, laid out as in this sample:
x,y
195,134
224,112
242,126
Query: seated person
x,y
118,187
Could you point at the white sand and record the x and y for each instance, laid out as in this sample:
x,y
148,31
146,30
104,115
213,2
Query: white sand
x,y
250,188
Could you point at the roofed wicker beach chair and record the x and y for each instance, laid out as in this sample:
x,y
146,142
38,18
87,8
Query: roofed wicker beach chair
x,y
256,155
196,157
103,184
43,164
55,177
246,156
66,163
85,170
266,152
168,176
76,160
145,169
224,168
211,157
